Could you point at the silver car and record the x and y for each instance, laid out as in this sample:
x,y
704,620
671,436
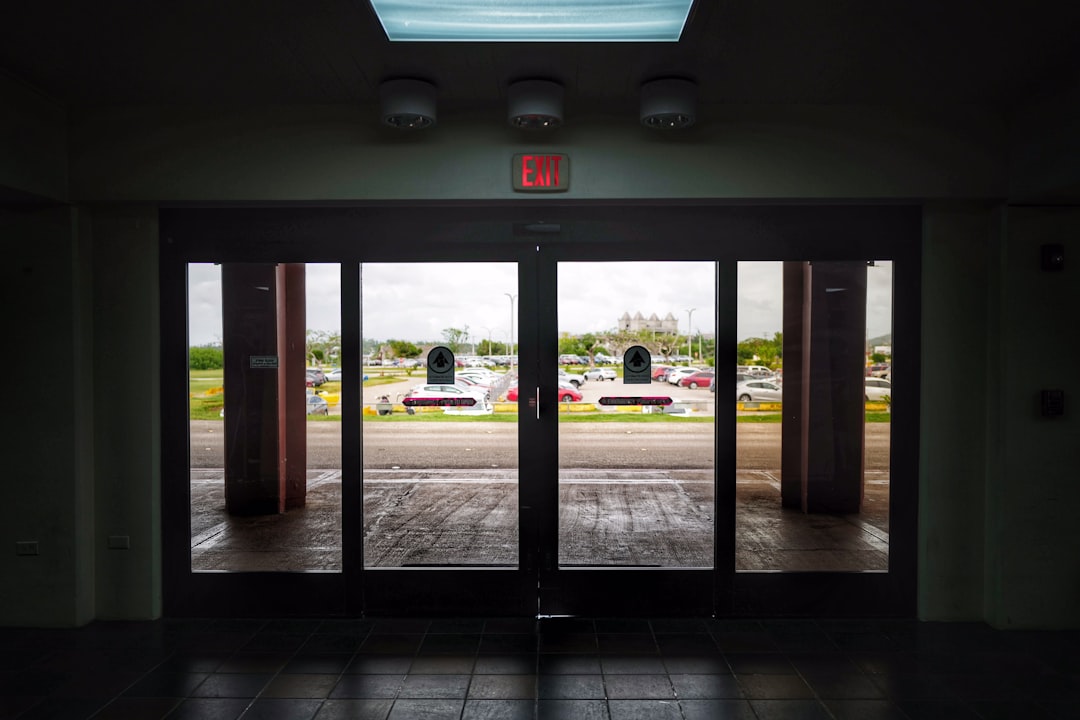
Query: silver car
x,y
758,391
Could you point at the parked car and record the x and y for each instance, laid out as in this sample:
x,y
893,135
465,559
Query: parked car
x,y
446,391
573,378
334,375
660,371
699,379
317,405
678,373
317,376
758,391
600,374
878,370
877,389
567,393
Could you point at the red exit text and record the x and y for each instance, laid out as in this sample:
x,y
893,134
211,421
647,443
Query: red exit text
x,y
541,173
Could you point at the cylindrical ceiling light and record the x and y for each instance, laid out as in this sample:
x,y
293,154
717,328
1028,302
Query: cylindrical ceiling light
x,y
407,104
668,103
535,104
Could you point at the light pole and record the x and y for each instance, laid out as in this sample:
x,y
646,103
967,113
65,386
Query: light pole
x,y
490,350
512,299
689,334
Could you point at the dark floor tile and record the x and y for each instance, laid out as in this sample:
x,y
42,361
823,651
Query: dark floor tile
x,y
789,710
345,626
449,644
622,625
644,710
1062,710
502,687
391,644
706,686
385,626
508,664
300,686
354,710
511,626
717,710
12,706
254,662
626,643
237,685
1010,709
456,626
193,661
166,684
572,710
700,664
442,664
292,626
774,687
275,642
913,687
96,683
638,687
63,709
210,709
865,710
564,625
333,643
132,708
631,665
367,686
499,710
937,710
745,642
688,643
846,685
571,687
434,686
568,643
380,664
427,709
569,664
810,664
318,663
759,664
278,709
678,625
502,644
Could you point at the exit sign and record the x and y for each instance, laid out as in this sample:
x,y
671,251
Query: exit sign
x,y
535,172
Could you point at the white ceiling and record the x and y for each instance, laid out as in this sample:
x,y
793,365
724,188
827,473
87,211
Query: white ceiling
x,y
741,51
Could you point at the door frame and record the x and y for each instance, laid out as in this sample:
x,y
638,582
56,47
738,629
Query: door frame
x,y
467,231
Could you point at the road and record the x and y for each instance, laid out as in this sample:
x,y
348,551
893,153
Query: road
x,y
668,445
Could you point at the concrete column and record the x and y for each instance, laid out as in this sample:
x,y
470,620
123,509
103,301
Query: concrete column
x,y
823,377
265,440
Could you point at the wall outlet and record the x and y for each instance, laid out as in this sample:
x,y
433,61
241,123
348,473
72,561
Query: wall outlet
x,y
119,542
26,547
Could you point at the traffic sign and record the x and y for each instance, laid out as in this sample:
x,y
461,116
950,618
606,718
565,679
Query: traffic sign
x,y
637,366
440,365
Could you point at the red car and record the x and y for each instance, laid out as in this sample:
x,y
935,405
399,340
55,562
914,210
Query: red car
x,y
567,393
698,379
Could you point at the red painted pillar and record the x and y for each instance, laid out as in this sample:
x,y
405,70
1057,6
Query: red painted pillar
x,y
824,368
265,434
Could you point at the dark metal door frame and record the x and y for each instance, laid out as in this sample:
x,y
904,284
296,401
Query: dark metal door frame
x,y
527,234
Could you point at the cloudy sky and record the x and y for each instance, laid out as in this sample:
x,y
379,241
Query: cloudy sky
x,y
417,301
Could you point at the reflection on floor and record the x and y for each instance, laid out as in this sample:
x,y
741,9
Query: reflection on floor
x,y
639,518
521,669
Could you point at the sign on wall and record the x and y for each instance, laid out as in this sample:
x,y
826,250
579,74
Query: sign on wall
x,y
541,172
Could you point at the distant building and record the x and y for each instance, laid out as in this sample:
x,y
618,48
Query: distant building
x,y
638,322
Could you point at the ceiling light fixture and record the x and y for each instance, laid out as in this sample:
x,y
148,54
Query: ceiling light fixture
x,y
668,103
407,104
535,104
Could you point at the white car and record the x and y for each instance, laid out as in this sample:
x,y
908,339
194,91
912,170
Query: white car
x,y
315,406
573,378
438,392
677,374
758,391
333,375
600,374
877,389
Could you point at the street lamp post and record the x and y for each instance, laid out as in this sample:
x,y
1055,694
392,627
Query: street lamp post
x,y
512,299
690,334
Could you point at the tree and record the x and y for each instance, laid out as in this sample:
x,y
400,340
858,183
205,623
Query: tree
x,y
454,338
206,357
487,347
323,346
404,349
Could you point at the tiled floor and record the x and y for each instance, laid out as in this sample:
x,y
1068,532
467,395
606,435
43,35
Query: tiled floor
x,y
552,668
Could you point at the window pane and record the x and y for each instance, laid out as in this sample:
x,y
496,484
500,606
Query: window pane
x,y
812,425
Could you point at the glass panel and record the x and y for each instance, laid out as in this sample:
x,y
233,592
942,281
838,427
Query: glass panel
x,y
254,506
440,481
812,481
636,481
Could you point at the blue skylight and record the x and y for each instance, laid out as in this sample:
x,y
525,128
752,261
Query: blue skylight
x,y
524,21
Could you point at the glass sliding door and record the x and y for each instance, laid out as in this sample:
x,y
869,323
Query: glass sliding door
x,y
440,480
